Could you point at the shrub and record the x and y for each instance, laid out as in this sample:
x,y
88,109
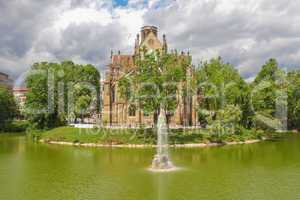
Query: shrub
x,y
16,126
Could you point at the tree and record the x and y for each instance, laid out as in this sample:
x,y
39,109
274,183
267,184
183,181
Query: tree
x,y
154,83
268,72
8,108
264,88
83,100
294,99
226,120
268,94
50,101
127,92
220,86
40,113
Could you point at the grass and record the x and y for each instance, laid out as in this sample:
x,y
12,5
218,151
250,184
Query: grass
x,y
12,133
144,136
101,136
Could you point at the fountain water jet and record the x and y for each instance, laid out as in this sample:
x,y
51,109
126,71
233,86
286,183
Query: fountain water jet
x,y
161,161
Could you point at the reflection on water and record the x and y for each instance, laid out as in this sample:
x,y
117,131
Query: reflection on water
x,y
29,171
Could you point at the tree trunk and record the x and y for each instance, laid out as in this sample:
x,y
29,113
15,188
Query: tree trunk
x,y
168,119
190,111
126,113
140,115
155,117
82,119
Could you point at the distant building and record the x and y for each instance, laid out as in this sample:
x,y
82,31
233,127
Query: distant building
x,y
116,111
5,80
20,97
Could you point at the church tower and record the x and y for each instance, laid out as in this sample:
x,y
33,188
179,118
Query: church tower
x,y
146,30
117,110
149,38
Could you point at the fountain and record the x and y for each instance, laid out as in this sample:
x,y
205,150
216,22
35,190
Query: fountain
x,y
161,161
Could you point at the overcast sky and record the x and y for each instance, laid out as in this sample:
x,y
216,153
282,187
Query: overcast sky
x,y
244,33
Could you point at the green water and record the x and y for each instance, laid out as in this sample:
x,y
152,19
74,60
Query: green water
x,y
28,171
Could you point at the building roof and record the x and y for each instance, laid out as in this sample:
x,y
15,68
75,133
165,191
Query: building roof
x,y
124,61
3,74
149,27
20,89
5,80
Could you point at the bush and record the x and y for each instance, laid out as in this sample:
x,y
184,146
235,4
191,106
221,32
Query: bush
x,y
16,126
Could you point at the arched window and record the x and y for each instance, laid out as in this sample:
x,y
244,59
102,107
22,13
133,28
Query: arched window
x,y
132,110
151,42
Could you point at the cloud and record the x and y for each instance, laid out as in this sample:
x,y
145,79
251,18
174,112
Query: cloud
x,y
244,33
83,31
19,25
88,42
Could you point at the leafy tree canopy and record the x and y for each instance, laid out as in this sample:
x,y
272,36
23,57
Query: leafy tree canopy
x,y
294,99
220,86
8,107
154,84
52,88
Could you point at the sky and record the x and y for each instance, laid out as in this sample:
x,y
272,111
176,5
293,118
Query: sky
x,y
245,33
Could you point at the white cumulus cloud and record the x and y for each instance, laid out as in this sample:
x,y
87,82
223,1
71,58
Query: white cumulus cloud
x,y
243,32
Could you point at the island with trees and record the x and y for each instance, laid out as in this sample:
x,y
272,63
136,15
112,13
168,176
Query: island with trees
x,y
230,110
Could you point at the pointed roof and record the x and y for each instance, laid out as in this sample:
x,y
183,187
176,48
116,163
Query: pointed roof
x,y
151,42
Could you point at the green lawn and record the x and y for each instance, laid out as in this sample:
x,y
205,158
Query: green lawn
x,y
101,136
143,136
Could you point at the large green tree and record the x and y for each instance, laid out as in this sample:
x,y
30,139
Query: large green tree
x,y
220,86
154,84
83,100
294,99
264,87
8,107
269,96
51,99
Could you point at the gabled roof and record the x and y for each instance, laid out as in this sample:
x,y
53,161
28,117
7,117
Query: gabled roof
x,y
3,74
124,60
154,44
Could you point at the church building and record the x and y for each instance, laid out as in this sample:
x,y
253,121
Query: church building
x,y
116,111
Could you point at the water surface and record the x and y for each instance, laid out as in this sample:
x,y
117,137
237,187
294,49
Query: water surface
x,y
30,171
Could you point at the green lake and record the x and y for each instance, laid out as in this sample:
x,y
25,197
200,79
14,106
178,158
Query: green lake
x,y
32,171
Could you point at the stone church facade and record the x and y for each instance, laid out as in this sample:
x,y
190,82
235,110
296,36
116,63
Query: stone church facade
x,y
117,112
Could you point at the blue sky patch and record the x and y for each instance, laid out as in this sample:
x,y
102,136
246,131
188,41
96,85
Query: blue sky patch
x,y
120,2
124,3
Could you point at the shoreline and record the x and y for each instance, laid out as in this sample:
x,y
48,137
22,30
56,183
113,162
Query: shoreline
x,y
144,146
